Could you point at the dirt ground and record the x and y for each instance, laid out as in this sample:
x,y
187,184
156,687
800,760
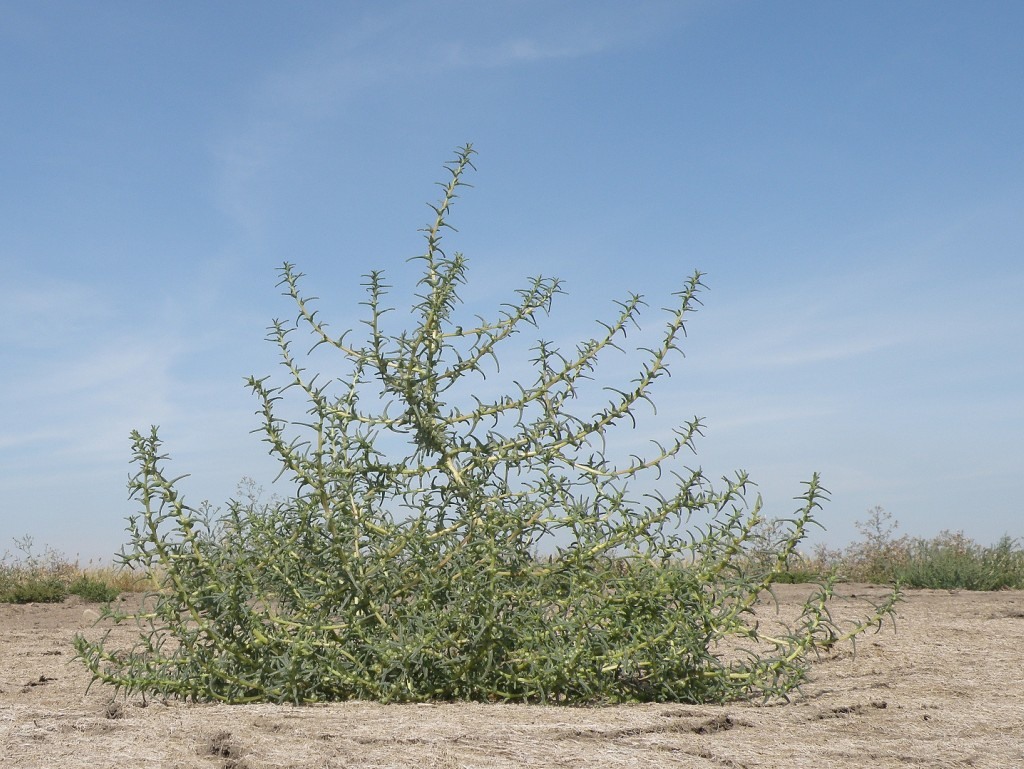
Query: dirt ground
x,y
944,689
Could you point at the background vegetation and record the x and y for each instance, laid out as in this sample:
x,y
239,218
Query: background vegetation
x,y
949,561
48,577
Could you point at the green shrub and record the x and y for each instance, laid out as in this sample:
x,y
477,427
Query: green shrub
x,y
36,590
952,561
949,561
92,589
50,577
404,565
32,577
767,539
878,556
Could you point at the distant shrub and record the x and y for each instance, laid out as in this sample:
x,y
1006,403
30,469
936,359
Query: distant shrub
x,y
37,590
952,561
92,589
32,577
949,561
766,541
49,577
878,556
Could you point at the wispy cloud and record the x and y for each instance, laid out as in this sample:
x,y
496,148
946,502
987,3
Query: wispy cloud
x,y
820,341
525,50
401,46
79,376
765,413
89,398
37,314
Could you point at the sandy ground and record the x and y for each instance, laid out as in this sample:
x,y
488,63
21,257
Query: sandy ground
x,y
944,689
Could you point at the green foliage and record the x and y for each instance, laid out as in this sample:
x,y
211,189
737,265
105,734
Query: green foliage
x,y
878,555
769,538
36,590
93,589
32,577
800,575
50,577
403,565
950,561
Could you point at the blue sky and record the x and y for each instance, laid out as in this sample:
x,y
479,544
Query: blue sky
x,y
850,177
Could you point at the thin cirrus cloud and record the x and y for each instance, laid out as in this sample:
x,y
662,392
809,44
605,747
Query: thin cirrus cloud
x,y
81,380
524,50
397,48
37,313
93,391
790,346
753,339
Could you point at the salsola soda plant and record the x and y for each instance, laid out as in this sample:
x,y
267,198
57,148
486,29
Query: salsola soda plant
x,y
408,561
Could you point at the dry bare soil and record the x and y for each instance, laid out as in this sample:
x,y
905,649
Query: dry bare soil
x,y
944,689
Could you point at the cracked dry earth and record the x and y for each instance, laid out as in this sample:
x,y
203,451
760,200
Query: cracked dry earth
x,y
944,689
